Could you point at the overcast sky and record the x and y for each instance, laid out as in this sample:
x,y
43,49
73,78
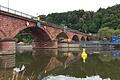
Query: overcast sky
x,y
35,7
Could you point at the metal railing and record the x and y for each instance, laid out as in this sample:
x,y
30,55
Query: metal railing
x,y
9,10
62,27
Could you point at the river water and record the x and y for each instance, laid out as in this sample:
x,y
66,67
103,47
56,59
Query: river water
x,y
61,64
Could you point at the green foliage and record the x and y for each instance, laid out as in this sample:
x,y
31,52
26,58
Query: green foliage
x,y
26,38
117,32
88,21
106,32
73,19
42,17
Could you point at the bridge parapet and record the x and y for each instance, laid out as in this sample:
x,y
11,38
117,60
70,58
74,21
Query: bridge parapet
x,y
15,12
62,27
9,10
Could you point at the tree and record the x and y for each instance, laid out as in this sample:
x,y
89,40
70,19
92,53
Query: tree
x,y
117,32
93,28
88,21
105,33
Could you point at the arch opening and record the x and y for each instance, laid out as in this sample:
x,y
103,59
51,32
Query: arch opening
x,y
75,38
88,39
28,35
62,37
82,38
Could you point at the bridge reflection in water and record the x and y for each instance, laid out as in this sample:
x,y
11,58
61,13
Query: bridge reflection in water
x,y
43,62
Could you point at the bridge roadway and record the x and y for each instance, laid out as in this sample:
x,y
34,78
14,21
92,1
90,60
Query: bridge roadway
x,y
13,22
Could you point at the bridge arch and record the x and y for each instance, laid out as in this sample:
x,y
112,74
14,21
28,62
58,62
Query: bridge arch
x,y
39,30
82,38
2,34
75,38
62,36
37,34
88,39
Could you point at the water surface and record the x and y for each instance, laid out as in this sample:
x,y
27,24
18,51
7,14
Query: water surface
x,y
41,63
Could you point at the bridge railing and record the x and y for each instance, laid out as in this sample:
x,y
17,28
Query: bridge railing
x,y
62,27
6,9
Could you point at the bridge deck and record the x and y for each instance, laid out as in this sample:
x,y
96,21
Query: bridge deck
x,y
21,15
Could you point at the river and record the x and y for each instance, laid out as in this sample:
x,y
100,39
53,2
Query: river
x,y
61,64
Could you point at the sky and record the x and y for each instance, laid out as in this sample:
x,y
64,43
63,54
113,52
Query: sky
x,y
44,7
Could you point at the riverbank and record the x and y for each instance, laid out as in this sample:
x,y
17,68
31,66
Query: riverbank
x,y
21,48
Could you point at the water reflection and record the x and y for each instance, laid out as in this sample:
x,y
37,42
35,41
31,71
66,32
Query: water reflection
x,y
40,63
108,56
116,54
7,62
47,59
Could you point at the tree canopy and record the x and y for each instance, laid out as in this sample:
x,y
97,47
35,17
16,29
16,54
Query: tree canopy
x,y
87,21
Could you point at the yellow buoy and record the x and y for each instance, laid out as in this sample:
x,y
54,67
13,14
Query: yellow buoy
x,y
84,55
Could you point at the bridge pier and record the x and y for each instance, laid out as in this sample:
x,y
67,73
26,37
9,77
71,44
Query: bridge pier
x,y
48,44
7,61
7,46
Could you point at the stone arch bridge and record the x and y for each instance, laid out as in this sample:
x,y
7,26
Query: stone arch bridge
x,y
47,35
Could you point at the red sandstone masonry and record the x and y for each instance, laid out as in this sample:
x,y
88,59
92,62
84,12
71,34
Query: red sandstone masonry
x,y
7,47
49,44
11,25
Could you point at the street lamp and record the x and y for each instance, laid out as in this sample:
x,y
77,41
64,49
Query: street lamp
x,y
8,5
